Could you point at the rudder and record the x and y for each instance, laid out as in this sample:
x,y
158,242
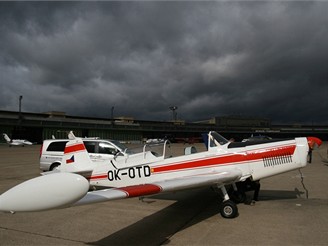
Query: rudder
x,y
5,136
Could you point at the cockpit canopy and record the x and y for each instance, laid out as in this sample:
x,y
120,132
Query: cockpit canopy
x,y
215,139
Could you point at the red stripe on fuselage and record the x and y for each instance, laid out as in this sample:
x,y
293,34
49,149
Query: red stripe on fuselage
x,y
100,176
141,190
251,155
74,148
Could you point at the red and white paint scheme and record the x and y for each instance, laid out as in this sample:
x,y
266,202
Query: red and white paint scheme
x,y
148,173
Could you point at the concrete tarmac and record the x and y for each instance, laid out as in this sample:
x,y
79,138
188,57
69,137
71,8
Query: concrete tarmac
x,y
293,210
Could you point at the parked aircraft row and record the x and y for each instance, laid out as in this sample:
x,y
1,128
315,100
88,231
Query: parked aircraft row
x,y
147,173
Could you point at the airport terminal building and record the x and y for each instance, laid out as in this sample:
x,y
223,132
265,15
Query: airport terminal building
x,y
39,126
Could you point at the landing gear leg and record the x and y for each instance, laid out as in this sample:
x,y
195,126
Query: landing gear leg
x,y
228,208
237,195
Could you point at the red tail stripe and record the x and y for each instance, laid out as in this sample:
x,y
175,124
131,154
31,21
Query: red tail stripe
x,y
74,148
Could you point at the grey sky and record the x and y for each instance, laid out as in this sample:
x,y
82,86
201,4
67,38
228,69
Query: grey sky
x,y
265,59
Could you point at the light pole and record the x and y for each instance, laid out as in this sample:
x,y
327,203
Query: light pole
x,y
20,107
112,112
174,114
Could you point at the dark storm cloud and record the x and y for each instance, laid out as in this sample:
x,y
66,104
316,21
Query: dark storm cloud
x,y
209,58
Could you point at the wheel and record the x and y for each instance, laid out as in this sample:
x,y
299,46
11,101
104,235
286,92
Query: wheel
x,y
54,166
229,209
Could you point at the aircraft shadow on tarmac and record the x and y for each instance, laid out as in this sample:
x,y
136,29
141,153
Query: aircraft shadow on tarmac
x,y
191,207
267,195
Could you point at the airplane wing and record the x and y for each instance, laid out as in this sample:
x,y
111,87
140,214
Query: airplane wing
x,y
15,143
225,177
59,190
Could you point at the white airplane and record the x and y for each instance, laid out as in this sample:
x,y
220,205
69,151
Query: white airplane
x,y
16,142
147,173
154,140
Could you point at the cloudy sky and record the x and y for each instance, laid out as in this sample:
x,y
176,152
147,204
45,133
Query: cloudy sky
x,y
260,59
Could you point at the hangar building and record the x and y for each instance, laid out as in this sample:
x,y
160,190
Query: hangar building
x,y
39,126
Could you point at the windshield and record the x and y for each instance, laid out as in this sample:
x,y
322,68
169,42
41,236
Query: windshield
x,y
121,146
216,139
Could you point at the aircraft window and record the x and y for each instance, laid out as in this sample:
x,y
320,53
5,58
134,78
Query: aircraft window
x,y
90,146
105,148
217,139
212,144
57,146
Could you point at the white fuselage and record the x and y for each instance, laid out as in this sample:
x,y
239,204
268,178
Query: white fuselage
x,y
254,161
148,173
17,142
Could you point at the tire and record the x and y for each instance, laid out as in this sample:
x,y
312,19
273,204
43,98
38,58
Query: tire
x,y
229,210
54,166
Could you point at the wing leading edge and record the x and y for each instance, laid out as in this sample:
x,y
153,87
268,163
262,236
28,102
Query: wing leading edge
x,y
220,178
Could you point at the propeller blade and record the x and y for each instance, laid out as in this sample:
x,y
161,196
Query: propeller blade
x,y
45,192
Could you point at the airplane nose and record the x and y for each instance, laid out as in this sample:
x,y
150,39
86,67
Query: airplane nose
x,y
44,193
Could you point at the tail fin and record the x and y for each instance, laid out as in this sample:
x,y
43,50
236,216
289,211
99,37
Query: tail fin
x,y
6,137
71,135
76,158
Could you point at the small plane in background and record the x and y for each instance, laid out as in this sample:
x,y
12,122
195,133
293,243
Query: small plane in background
x,y
79,181
154,140
256,138
16,142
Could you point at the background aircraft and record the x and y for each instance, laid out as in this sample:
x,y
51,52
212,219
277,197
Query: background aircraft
x,y
16,142
147,173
